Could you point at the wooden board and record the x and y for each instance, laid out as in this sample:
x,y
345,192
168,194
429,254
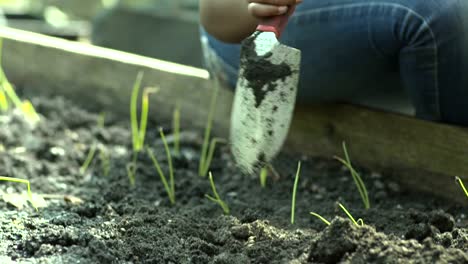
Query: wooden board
x,y
421,154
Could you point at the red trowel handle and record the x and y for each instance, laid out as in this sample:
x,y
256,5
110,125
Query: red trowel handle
x,y
276,24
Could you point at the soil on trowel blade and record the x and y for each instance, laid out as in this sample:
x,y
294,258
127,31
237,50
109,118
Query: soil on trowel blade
x,y
260,73
98,217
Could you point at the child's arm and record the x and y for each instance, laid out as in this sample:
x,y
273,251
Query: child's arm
x,y
233,20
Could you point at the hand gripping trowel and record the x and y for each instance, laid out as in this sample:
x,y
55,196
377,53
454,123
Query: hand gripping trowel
x,y
265,95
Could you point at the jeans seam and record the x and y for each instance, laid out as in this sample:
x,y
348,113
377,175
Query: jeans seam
x,y
412,12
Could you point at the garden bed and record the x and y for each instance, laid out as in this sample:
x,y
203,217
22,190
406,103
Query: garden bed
x,y
97,217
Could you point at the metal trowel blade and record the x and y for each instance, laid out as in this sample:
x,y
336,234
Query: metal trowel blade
x,y
264,100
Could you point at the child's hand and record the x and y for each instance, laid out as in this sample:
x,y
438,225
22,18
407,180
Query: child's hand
x,y
267,8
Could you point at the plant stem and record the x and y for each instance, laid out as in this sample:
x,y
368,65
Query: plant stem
x,y
17,180
133,112
263,176
461,185
351,217
296,180
89,159
206,138
321,218
169,162
216,199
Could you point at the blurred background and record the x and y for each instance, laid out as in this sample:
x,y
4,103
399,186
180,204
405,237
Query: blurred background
x,y
163,29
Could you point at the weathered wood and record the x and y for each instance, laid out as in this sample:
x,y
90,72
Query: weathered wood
x,y
101,79
421,154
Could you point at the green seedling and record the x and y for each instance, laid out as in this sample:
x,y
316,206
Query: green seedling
x,y
139,130
101,120
29,112
10,179
3,102
89,159
356,177
210,154
9,93
263,176
169,186
105,161
216,198
457,179
358,223
176,128
296,180
204,165
321,218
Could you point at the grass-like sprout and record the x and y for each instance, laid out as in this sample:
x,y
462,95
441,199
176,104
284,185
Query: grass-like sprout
x,y
136,131
176,128
460,182
29,112
263,176
356,177
321,218
296,180
89,159
105,161
139,130
216,198
9,93
169,186
4,105
204,165
358,223
17,180
101,120
210,154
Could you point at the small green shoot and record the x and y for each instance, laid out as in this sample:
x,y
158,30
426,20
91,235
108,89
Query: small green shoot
x,y
101,120
105,161
8,93
89,159
356,177
29,112
133,113
263,176
358,223
4,106
210,154
461,185
203,165
169,186
296,180
139,131
176,129
321,218
10,179
216,199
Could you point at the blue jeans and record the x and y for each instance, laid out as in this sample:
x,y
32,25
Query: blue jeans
x,y
354,49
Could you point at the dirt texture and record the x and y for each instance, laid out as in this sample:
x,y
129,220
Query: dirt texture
x,y
260,73
97,217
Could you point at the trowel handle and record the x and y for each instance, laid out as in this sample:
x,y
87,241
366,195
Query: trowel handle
x,y
276,24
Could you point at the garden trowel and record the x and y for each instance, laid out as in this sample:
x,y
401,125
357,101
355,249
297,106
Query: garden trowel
x,y
265,95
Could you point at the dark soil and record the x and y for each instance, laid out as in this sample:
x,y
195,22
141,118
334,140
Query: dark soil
x,y
116,223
